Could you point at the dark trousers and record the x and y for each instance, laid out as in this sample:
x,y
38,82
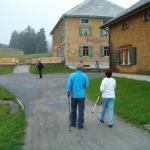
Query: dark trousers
x,y
80,104
40,72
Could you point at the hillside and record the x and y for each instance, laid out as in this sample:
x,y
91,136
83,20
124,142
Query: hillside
x,y
9,52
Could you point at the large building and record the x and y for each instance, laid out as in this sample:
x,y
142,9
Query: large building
x,y
130,39
77,36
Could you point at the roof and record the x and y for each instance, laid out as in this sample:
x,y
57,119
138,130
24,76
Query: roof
x,y
101,8
140,5
93,9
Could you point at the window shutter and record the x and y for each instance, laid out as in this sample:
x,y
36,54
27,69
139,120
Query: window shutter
x,y
118,57
80,31
102,51
90,31
90,51
132,55
81,51
62,52
102,32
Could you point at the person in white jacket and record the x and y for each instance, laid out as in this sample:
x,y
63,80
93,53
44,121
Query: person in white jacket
x,y
107,88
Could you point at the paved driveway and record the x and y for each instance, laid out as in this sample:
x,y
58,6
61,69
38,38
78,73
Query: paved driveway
x,y
47,119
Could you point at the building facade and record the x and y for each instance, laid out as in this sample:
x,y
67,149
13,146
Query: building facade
x,y
78,38
129,38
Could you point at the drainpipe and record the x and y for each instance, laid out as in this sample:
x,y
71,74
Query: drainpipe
x,y
110,51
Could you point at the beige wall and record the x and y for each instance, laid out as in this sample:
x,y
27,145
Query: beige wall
x,y
138,35
74,40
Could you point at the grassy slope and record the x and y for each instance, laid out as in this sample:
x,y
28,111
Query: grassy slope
x,y
9,52
51,68
11,124
132,99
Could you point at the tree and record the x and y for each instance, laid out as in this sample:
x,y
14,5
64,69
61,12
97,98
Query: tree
x,y
41,43
29,41
14,40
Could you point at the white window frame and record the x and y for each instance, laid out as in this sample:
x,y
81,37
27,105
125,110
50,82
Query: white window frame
x,y
85,31
124,55
124,25
147,15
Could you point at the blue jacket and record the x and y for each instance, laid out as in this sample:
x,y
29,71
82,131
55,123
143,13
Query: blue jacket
x,y
77,83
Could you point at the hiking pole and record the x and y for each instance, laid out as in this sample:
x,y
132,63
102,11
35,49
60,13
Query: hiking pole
x,y
95,105
69,113
100,110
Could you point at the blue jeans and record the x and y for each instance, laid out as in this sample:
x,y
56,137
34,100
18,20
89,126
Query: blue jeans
x,y
80,103
107,102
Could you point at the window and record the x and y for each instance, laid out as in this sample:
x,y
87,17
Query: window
x,y
147,15
126,56
104,51
85,31
85,20
86,51
125,25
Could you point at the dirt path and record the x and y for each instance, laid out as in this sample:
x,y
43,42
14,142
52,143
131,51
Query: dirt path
x,y
47,119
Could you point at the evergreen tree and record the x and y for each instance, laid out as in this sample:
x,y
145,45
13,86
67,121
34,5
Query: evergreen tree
x,y
29,41
14,40
41,43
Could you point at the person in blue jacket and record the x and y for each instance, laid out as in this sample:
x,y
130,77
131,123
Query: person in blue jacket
x,y
76,85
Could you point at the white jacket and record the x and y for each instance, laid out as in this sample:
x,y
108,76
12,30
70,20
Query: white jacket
x,y
107,87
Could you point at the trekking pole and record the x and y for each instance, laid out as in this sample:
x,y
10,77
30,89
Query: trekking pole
x,y
69,113
95,105
100,109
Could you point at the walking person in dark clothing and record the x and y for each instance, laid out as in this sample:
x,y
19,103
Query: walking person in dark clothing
x,y
76,85
40,66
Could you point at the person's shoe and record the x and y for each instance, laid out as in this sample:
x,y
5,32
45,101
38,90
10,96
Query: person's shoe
x,y
110,125
101,121
80,127
73,125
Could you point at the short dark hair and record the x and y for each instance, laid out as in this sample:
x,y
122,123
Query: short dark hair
x,y
108,73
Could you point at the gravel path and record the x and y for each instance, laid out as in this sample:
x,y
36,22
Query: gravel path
x,y
47,119
21,69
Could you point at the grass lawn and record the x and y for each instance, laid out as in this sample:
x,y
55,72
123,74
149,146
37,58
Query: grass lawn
x,y
132,99
51,68
6,69
11,124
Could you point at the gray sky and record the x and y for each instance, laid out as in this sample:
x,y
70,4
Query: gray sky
x,y
17,14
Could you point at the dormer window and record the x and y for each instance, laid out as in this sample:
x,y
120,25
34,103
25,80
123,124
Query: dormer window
x,y
125,25
85,20
147,15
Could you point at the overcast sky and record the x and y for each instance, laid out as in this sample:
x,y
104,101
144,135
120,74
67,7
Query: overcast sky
x,y
17,14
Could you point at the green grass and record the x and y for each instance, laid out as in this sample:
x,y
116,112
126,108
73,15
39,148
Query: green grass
x,y
132,99
51,68
5,94
11,124
10,52
6,69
